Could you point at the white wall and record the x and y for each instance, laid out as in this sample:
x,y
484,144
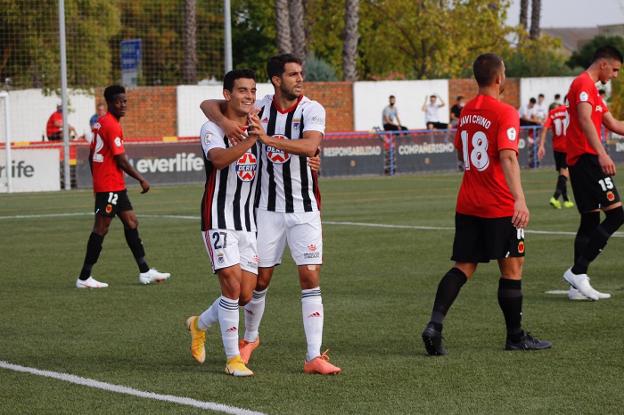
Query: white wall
x,y
549,86
190,117
370,98
30,110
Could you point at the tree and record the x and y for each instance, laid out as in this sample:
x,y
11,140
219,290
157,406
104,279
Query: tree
x,y
297,31
524,14
536,11
282,24
253,34
583,57
351,35
189,67
442,46
536,57
29,43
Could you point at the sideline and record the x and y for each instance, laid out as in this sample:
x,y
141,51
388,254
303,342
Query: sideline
x,y
327,222
125,390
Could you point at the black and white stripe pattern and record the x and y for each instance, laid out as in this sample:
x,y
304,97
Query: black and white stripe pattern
x,y
229,194
286,182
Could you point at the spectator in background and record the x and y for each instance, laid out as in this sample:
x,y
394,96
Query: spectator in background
x,y
456,110
557,102
390,116
527,113
432,112
541,110
54,127
100,110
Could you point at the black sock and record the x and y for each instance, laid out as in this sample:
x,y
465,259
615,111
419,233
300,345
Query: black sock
x,y
560,186
564,187
598,240
136,246
510,302
448,289
589,222
94,247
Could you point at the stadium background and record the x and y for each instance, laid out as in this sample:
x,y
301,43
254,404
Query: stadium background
x,y
387,238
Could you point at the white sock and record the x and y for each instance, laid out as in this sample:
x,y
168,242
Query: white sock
x,y
210,316
312,311
228,320
254,310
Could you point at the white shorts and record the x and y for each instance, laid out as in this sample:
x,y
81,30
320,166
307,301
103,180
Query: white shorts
x,y
226,247
302,231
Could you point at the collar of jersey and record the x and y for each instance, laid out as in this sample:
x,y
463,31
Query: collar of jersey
x,y
287,110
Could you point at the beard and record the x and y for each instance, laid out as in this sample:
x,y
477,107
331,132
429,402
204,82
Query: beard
x,y
289,93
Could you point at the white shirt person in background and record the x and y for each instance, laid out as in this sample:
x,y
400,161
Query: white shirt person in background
x,y
431,108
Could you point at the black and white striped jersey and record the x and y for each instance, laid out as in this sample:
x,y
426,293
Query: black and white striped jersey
x,y
286,182
229,195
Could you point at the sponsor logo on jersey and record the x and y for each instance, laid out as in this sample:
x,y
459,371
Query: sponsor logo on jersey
x,y
109,208
296,122
265,120
598,108
610,196
118,141
246,167
583,96
511,134
521,247
277,156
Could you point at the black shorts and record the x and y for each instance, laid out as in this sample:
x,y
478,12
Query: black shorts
x,y
110,203
592,188
482,239
560,160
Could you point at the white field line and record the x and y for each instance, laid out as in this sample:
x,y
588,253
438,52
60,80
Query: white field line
x,y
92,383
360,224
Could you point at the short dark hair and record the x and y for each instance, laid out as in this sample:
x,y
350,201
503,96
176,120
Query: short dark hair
x,y
275,65
486,67
541,96
557,96
391,96
230,77
602,92
607,52
112,91
532,100
459,97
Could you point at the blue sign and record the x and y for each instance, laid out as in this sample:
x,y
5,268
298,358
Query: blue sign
x,y
130,50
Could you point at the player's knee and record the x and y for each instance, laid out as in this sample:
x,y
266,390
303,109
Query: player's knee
x,y
262,284
614,219
244,298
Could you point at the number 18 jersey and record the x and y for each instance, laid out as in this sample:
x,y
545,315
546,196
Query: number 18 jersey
x,y
486,126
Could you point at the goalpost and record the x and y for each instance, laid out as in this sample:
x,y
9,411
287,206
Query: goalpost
x,y
4,103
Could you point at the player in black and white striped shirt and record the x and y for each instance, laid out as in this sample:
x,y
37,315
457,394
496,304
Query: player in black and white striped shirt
x,y
228,224
289,200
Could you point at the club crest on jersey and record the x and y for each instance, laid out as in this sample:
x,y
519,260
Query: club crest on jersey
x,y
246,167
610,196
277,156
